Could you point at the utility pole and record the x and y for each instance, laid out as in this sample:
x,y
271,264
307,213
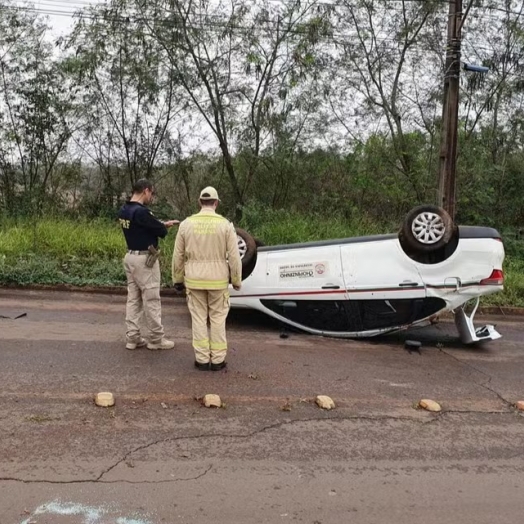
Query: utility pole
x,y
449,136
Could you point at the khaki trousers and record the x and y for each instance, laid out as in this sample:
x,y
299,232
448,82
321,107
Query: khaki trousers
x,y
143,298
212,305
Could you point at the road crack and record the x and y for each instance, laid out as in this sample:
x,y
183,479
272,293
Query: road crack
x,y
252,434
99,481
100,478
378,418
484,384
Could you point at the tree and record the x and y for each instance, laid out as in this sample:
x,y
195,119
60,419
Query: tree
x,y
237,63
129,95
35,107
377,60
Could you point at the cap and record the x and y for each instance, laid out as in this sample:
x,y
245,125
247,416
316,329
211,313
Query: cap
x,y
209,193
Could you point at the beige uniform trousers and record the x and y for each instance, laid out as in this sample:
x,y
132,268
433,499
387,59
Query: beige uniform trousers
x,y
212,305
143,298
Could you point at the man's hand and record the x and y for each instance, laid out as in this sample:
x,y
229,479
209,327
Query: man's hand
x,y
179,288
237,288
171,223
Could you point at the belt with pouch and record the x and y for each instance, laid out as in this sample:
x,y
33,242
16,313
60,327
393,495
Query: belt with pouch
x,y
131,252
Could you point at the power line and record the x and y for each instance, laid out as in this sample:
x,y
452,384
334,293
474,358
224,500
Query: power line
x,y
281,2
52,7
77,4
222,24
284,3
49,9
336,38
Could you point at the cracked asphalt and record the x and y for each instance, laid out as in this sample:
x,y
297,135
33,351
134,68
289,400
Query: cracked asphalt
x,y
270,455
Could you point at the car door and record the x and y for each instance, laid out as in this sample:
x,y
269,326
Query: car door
x,y
309,289
380,269
383,284
313,272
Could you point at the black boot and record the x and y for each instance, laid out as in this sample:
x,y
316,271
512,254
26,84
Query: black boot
x,y
202,367
218,367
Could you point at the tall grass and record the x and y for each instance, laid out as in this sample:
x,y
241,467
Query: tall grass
x,y
61,238
276,227
82,252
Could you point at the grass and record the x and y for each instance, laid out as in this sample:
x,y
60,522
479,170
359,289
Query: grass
x,y
60,251
285,227
89,253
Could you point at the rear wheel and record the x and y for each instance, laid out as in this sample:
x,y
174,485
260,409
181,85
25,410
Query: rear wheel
x,y
246,246
426,229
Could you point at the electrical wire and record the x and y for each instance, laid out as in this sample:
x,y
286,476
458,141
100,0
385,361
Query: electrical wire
x,y
52,7
337,38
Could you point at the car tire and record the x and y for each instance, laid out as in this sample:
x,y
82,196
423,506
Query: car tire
x,y
426,229
246,245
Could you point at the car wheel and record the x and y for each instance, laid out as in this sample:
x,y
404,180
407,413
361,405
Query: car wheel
x,y
426,229
246,246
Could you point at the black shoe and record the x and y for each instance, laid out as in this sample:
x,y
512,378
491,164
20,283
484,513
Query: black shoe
x,y
218,367
202,367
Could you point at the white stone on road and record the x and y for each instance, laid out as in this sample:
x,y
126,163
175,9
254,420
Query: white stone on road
x,y
325,402
212,401
105,399
430,405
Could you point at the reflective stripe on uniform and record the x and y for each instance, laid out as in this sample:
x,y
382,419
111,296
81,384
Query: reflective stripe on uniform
x,y
207,284
205,227
218,346
201,344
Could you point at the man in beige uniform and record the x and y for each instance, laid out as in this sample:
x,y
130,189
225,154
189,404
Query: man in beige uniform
x,y
205,260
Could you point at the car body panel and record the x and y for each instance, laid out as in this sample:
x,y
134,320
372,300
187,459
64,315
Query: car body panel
x,y
380,270
368,286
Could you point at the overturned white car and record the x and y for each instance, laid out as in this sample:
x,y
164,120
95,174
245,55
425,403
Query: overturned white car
x,y
367,286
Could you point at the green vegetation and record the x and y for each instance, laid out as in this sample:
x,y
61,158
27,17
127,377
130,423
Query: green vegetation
x,y
61,251
89,253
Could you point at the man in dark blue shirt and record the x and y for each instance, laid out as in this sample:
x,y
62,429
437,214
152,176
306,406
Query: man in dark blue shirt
x,y
142,230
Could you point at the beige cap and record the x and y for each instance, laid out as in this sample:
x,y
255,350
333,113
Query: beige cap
x,y
209,193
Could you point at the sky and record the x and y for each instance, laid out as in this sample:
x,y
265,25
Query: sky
x,y
59,13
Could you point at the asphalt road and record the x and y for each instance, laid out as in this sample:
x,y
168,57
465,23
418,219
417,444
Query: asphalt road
x,y
270,455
